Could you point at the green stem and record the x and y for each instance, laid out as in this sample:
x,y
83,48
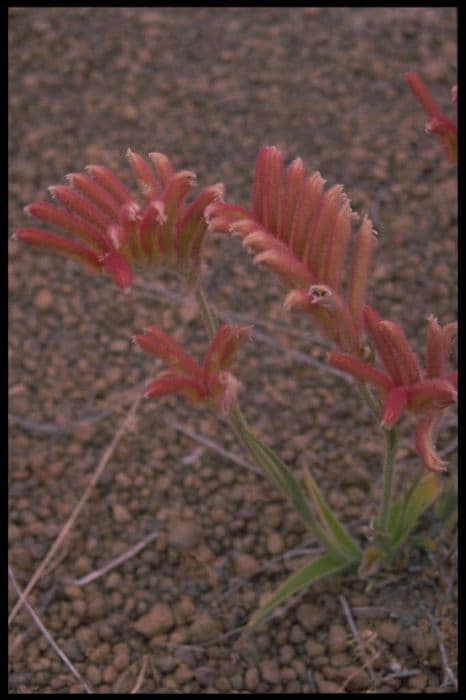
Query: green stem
x,y
391,444
208,316
369,398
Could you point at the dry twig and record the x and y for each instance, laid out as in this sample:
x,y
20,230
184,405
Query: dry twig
x,y
131,552
360,643
47,634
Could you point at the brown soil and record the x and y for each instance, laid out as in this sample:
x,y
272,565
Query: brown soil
x,y
208,87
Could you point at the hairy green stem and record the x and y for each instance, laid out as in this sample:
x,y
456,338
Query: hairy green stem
x,y
208,315
391,444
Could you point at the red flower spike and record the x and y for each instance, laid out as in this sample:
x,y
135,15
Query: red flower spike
x,y
168,350
166,385
362,254
144,176
337,248
210,383
118,235
162,167
382,345
402,387
80,206
220,216
306,217
435,351
227,390
97,194
102,213
294,184
293,272
57,244
432,394
404,357
222,349
272,190
424,442
258,194
173,198
302,234
109,182
116,266
319,242
362,371
192,227
128,218
332,314
50,214
437,124
152,219
395,403
439,342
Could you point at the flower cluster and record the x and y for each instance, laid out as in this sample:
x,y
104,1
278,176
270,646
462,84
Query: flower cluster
x,y
212,382
437,124
302,233
403,387
114,231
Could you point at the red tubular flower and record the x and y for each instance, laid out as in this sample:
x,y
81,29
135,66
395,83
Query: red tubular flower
x,y
403,387
115,231
437,124
212,382
302,233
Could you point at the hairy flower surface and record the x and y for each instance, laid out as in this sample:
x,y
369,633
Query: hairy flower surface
x,y
302,233
115,231
210,382
403,387
437,124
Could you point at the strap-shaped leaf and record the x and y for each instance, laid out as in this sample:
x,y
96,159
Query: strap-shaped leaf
x,y
394,519
326,565
337,533
421,496
286,483
446,508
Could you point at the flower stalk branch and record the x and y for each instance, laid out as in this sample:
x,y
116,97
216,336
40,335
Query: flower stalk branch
x,y
391,445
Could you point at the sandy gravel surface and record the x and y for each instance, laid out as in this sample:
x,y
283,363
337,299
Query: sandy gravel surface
x,y
209,87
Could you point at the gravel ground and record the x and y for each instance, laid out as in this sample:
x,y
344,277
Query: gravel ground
x,y
208,87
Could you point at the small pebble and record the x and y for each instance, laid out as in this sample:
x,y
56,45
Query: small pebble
x,y
44,300
121,514
184,535
204,629
158,620
246,565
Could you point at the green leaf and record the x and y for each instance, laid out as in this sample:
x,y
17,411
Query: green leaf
x,y
395,513
337,533
421,496
327,565
283,479
446,508
373,559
